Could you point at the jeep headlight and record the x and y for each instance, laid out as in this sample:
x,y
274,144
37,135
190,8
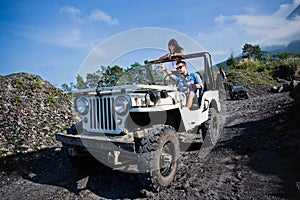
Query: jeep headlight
x,y
82,105
121,105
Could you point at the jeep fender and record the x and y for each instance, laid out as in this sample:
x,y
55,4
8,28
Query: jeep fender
x,y
213,98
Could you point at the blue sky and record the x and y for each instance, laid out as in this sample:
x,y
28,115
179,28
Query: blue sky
x,y
53,38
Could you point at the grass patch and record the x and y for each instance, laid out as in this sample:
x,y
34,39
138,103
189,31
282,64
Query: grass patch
x,y
248,78
37,84
18,98
19,81
52,99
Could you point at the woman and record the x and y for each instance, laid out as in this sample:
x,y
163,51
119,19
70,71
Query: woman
x,y
174,48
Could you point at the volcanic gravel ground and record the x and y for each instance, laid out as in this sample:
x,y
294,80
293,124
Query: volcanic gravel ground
x,y
257,157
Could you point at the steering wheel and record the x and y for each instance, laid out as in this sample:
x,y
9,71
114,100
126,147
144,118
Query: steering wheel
x,y
179,81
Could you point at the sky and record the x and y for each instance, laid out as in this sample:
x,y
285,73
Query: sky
x,y
54,38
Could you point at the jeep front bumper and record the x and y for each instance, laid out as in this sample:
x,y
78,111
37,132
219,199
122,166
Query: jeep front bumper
x,y
101,143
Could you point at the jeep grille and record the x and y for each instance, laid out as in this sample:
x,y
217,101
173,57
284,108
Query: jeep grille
x,y
101,115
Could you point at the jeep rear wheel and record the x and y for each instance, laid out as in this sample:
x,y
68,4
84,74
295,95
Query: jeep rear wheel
x,y
211,129
158,155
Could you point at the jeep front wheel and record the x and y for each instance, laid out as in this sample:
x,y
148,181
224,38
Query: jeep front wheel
x,y
158,155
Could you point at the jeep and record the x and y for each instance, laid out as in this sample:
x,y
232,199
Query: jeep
x,y
238,92
143,123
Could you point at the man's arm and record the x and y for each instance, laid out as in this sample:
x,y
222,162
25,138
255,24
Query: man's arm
x,y
168,72
198,84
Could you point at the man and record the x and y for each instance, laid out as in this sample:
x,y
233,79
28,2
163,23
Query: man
x,y
193,80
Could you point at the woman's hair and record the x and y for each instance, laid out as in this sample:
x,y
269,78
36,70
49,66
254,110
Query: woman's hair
x,y
174,43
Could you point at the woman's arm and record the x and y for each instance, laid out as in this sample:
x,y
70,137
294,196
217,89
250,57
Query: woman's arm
x,y
171,54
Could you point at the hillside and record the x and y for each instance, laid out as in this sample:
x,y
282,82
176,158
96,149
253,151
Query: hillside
x,y
31,111
256,83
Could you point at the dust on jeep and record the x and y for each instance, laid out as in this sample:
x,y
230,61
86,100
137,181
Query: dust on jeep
x,y
139,124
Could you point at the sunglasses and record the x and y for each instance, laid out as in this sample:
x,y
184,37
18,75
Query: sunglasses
x,y
179,67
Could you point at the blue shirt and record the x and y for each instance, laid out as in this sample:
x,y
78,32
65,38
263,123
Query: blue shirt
x,y
194,78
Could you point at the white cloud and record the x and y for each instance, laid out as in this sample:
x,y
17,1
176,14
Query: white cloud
x,y
70,10
220,19
268,30
265,30
250,9
79,33
73,12
71,38
99,15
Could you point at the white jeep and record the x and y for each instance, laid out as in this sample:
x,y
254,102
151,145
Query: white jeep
x,y
143,125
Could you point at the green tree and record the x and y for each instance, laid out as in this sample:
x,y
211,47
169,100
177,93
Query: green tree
x,y
297,55
266,57
93,79
136,74
252,52
231,62
283,55
111,75
80,83
67,88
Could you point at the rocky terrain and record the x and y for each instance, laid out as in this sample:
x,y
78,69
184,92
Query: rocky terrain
x,y
257,156
31,111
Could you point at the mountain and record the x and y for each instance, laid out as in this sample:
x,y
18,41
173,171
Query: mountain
x,y
294,13
292,47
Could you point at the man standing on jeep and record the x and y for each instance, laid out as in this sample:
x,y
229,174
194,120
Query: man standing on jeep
x,y
193,80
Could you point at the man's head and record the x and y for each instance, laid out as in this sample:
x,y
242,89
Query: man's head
x,y
181,67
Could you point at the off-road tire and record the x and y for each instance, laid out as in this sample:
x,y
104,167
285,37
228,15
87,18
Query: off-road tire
x,y
211,129
158,155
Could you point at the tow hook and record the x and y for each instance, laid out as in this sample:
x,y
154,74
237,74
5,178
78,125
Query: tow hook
x,y
113,157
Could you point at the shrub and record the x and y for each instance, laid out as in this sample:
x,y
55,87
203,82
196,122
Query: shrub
x,y
18,98
19,81
251,66
52,99
38,84
286,69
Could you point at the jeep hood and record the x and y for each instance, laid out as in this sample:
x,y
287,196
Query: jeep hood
x,y
127,88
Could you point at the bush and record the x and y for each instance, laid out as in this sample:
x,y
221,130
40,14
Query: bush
x,y
38,84
52,99
20,81
250,66
288,69
18,98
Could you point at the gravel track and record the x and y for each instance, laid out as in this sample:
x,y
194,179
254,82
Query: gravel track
x,y
257,157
